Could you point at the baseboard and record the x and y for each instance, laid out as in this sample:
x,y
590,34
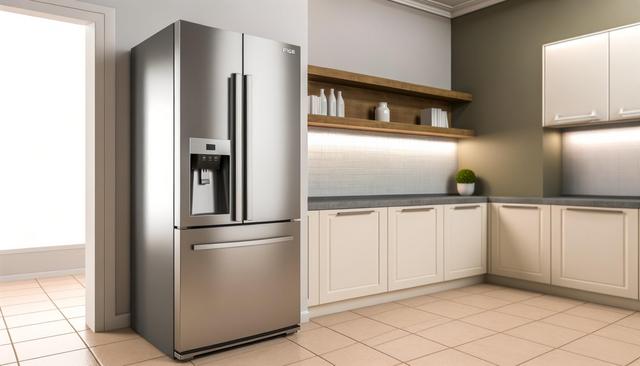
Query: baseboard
x,y
336,307
30,276
304,316
118,322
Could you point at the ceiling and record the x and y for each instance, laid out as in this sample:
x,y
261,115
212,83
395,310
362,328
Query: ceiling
x,y
448,8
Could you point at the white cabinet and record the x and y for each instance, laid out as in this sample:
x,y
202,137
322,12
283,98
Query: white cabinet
x,y
416,243
624,75
313,258
595,249
576,80
353,253
521,241
465,240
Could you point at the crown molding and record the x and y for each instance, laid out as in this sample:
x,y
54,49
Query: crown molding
x,y
448,11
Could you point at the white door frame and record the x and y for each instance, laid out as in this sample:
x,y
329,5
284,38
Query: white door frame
x,y
100,225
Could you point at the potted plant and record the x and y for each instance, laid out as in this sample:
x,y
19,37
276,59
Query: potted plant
x,y
466,182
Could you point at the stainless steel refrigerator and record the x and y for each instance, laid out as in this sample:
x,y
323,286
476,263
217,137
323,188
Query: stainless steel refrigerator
x,y
216,189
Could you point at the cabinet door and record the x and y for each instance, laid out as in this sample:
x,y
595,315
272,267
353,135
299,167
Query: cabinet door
x,y
595,249
313,258
465,240
521,241
624,75
576,80
416,243
353,253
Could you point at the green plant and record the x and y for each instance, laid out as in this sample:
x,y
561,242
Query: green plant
x,y
465,176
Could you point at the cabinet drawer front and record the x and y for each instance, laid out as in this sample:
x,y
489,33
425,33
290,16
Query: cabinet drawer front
x,y
465,242
596,249
415,246
353,253
521,241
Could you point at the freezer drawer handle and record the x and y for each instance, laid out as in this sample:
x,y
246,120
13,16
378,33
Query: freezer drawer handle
x,y
237,244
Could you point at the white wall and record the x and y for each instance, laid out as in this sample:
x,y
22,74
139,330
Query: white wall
x,y
381,38
136,20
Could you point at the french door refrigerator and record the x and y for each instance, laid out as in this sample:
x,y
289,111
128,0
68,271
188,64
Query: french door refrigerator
x,y
216,187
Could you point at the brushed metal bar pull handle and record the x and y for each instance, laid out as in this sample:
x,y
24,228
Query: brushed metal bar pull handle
x,y
577,118
353,213
465,207
238,150
248,90
519,206
629,112
418,209
593,210
239,244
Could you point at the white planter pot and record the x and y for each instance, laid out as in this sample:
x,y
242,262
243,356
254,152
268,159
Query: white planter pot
x,y
466,189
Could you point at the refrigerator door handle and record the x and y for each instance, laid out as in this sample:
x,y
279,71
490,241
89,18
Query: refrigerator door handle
x,y
248,115
237,244
238,149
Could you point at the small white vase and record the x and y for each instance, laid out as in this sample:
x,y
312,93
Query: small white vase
x,y
323,103
466,189
382,112
331,103
340,105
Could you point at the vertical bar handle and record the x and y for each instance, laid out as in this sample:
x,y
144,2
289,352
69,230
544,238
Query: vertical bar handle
x,y
238,147
248,115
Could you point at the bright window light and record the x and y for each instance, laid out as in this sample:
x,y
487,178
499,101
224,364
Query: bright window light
x,y
42,132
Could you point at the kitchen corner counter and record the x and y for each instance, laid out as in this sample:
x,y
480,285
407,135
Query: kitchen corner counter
x,y
347,202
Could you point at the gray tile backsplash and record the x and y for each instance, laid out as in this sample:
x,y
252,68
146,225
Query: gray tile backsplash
x,y
345,163
601,162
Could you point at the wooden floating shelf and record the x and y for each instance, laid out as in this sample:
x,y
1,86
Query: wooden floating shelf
x,y
325,74
359,124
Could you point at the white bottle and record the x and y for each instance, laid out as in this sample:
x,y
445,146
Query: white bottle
x,y
323,103
331,103
382,112
340,105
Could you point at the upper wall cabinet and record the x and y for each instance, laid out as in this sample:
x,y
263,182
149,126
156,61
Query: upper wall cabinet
x,y
624,75
576,81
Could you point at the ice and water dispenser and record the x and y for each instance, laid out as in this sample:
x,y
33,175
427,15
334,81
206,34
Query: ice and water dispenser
x,y
210,164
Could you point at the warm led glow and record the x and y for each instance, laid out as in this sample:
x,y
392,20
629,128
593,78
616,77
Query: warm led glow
x,y
42,132
604,136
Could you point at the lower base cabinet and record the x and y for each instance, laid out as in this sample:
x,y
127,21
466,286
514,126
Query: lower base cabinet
x,y
465,240
595,249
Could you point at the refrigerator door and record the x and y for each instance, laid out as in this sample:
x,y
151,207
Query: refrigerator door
x,y
272,123
235,282
207,92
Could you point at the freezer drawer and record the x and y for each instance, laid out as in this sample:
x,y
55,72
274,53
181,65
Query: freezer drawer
x,y
235,282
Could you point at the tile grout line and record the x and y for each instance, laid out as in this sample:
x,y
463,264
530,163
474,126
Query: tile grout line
x,y
13,347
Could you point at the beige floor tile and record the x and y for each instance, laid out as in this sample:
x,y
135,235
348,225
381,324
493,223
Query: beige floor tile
x,y
449,357
575,322
74,312
455,333
18,284
33,318
332,319
481,301
545,333
493,320
620,333
25,299
409,347
632,321
80,357
597,312
79,324
604,349
359,355
33,307
435,321
161,361
407,317
70,301
125,352
525,311
635,363
56,279
482,288
450,309
384,338
98,339
419,300
451,294
48,346
2,326
552,303
563,358
6,355
43,330
362,328
504,350
63,294
321,340
316,361
376,309
512,295
234,352
309,326
4,337
63,286
22,292
277,354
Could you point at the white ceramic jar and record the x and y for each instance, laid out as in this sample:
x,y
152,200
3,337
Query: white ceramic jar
x,y
382,112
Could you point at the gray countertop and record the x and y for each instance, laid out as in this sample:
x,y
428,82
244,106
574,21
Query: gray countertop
x,y
347,202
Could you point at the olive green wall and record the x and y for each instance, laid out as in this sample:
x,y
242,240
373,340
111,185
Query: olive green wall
x,y
497,56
